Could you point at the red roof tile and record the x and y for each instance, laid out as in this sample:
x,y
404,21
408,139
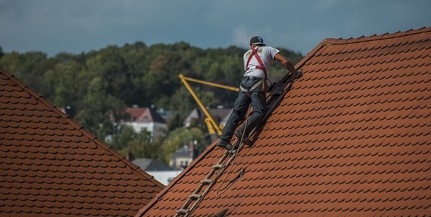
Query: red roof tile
x,y
50,166
351,138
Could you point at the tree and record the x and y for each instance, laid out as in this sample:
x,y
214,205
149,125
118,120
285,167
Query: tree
x,y
12,62
140,144
69,82
1,52
98,107
110,66
180,137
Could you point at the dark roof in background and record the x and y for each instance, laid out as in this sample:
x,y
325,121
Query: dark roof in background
x,y
351,138
51,166
219,114
148,164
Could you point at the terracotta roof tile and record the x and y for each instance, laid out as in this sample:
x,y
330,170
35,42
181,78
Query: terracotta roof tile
x,y
50,166
351,138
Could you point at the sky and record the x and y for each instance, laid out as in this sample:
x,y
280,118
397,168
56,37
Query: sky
x,y
76,26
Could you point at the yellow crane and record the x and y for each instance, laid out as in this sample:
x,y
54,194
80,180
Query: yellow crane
x,y
213,127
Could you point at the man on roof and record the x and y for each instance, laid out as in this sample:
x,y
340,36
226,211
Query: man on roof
x,y
253,90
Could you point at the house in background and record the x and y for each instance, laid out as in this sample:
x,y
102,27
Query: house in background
x,y
51,166
161,172
350,138
148,164
183,157
146,118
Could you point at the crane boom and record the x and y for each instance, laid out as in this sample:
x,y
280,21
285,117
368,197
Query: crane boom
x,y
236,89
212,125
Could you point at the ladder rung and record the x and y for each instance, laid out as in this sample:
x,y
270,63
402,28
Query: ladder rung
x,y
217,166
183,211
232,151
207,181
195,196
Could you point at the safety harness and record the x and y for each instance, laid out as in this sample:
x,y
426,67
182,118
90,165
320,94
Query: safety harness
x,y
261,66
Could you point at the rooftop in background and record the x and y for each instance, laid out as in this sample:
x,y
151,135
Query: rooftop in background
x,y
51,166
148,164
351,138
144,115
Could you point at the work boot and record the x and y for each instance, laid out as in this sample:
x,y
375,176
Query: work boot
x,y
243,138
238,133
224,144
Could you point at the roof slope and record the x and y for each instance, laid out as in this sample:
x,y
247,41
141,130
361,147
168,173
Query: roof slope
x,y
351,138
50,166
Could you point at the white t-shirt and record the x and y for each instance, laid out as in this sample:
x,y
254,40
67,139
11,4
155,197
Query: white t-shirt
x,y
266,54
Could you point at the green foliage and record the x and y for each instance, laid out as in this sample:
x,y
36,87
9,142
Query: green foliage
x,y
181,137
99,85
128,141
99,105
69,81
29,67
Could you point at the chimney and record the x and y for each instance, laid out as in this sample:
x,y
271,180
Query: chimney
x,y
130,156
69,111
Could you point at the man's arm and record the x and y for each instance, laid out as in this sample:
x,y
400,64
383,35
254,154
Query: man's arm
x,y
289,66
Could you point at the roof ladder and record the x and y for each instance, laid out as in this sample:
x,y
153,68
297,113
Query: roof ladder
x,y
206,184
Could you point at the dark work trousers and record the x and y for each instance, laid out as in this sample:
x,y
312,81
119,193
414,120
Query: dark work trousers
x,y
258,101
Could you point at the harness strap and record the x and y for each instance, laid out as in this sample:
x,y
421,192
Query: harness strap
x,y
261,65
252,87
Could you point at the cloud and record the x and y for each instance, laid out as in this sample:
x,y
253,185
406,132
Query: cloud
x,y
53,26
241,36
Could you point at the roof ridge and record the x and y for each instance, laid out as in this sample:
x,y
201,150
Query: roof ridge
x,y
78,127
336,41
